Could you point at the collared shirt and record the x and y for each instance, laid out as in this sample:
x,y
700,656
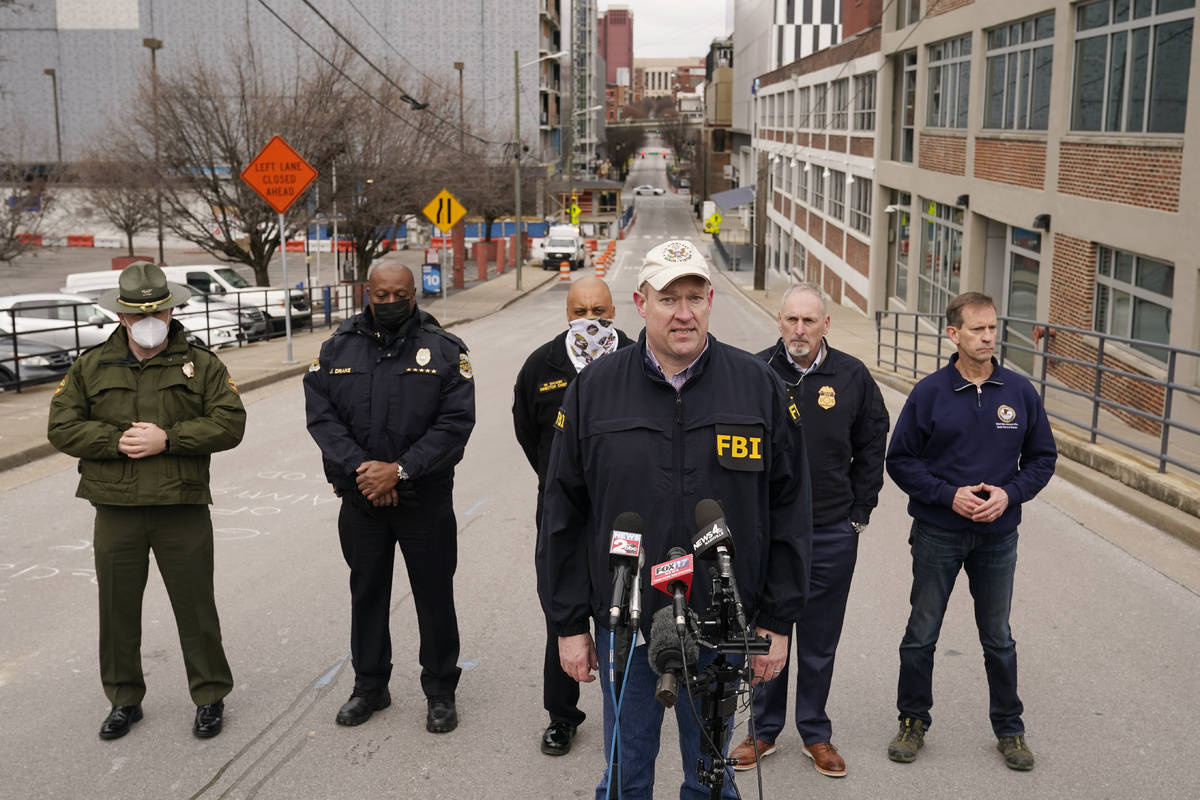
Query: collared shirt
x,y
803,372
679,378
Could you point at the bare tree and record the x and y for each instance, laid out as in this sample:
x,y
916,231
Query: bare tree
x,y
123,192
27,198
212,120
622,144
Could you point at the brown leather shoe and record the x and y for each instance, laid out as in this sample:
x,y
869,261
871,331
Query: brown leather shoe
x,y
744,753
826,759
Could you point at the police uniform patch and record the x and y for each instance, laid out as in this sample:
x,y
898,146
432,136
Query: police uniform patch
x,y
189,369
1007,416
550,386
232,385
62,385
464,366
422,356
740,447
795,412
560,420
826,397
315,366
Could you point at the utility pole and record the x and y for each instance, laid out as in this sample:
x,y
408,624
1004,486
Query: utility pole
x,y
458,65
520,261
57,128
154,45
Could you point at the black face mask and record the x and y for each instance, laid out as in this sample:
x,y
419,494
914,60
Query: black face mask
x,y
392,316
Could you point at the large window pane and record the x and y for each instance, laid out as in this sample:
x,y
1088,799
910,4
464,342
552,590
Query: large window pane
x,y
1090,64
1140,53
1116,82
1039,104
1156,277
1091,15
1172,60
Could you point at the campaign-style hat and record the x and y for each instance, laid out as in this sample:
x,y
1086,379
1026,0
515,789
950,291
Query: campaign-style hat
x,y
671,260
143,289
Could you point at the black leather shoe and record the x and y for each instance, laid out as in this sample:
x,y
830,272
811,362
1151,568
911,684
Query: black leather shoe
x,y
362,704
119,720
209,718
556,741
442,716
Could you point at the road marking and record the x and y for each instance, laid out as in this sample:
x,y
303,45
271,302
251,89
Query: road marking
x,y
470,511
328,677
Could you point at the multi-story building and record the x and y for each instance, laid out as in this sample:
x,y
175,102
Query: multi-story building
x,y
98,54
715,141
587,86
614,38
659,74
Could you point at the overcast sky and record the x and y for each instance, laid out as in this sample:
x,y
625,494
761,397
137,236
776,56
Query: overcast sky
x,y
674,28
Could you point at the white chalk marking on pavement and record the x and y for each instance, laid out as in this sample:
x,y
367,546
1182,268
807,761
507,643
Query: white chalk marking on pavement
x,y
325,679
470,511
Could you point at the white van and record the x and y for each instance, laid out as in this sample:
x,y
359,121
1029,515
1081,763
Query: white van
x,y
563,243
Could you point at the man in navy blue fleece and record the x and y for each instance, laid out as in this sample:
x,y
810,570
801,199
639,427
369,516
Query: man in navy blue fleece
x,y
971,445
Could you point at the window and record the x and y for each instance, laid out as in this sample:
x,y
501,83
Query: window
x,y
787,165
907,108
949,83
798,258
864,102
1019,60
941,256
1134,298
1020,300
860,205
802,182
837,194
818,188
1131,65
790,122
608,202
910,12
818,114
903,236
841,100
802,108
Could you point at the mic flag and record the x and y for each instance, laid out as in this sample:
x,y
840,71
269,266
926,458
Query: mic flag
x,y
623,551
713,531
675,573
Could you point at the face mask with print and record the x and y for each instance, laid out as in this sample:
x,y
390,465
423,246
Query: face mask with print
x,y
149,331
588,339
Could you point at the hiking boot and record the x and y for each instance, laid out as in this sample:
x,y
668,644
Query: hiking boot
x,y
1016,752
908,741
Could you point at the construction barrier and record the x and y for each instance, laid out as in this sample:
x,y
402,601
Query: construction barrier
x,y
601,270
564,271
81,241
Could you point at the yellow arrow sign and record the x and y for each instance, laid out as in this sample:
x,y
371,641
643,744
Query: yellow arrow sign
x,y
444,210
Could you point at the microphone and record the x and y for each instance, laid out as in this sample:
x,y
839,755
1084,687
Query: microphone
x,y
635,593
668,653
623,553
674,577
715,541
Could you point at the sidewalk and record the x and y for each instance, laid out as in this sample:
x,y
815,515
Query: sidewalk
x,y
23,415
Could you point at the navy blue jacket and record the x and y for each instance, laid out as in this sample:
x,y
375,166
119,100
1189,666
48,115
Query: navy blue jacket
x,y
627,441
845,432
408,398
952,433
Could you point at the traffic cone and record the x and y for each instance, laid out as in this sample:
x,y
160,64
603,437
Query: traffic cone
x,y
601,268
564,271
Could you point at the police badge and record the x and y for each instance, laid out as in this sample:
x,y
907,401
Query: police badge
x,y
189,369
422,356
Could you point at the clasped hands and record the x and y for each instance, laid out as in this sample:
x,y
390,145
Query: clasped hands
x,y
967,503
377,482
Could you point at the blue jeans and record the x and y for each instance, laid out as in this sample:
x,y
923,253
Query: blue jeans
x,y
990,561
641,724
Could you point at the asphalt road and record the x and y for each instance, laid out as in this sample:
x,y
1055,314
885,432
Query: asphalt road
x,y
1108,644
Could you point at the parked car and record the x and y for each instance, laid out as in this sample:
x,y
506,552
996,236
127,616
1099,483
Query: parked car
x,y
35,361
646,188
250,318
74,323
229,286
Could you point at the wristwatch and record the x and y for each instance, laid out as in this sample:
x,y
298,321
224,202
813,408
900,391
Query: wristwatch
x,y
401,475
859,527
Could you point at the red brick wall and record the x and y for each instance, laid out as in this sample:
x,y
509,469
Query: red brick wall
x,y
858,255
799,217
858,15
1016,162
816,226
802,139
936,7
1139,176
1072,299
818,141
813,266
862,146
943,153
832,285
834,237
787,207
837,143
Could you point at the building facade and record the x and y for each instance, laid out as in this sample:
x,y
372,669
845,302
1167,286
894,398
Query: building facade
x,y
614,36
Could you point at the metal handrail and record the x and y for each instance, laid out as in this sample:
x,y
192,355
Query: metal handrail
x,y
891,326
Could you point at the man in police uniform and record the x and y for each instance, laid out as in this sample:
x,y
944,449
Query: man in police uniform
x,y
391,404
846,425
653,429
143,411
538,393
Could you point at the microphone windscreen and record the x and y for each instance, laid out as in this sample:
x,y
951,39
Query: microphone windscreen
x,y
664,641
630,522
707,512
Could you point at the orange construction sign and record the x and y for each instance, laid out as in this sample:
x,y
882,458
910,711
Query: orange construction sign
x,y
279,174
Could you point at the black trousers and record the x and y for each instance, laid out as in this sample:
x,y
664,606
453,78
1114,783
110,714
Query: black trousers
x,y
560,692
427,535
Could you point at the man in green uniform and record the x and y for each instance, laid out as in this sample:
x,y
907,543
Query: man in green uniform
x,y
143,412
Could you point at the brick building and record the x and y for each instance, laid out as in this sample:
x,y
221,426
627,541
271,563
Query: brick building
x,y
614,41
1036,150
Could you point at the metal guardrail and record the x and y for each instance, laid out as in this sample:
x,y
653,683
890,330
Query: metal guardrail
x,y
328,306
905,337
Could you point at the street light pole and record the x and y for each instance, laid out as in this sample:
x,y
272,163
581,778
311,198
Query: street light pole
x,y
154,46
57,129
458,65
520,260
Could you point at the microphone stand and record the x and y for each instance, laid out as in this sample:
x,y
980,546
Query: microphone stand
x,y
618,656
